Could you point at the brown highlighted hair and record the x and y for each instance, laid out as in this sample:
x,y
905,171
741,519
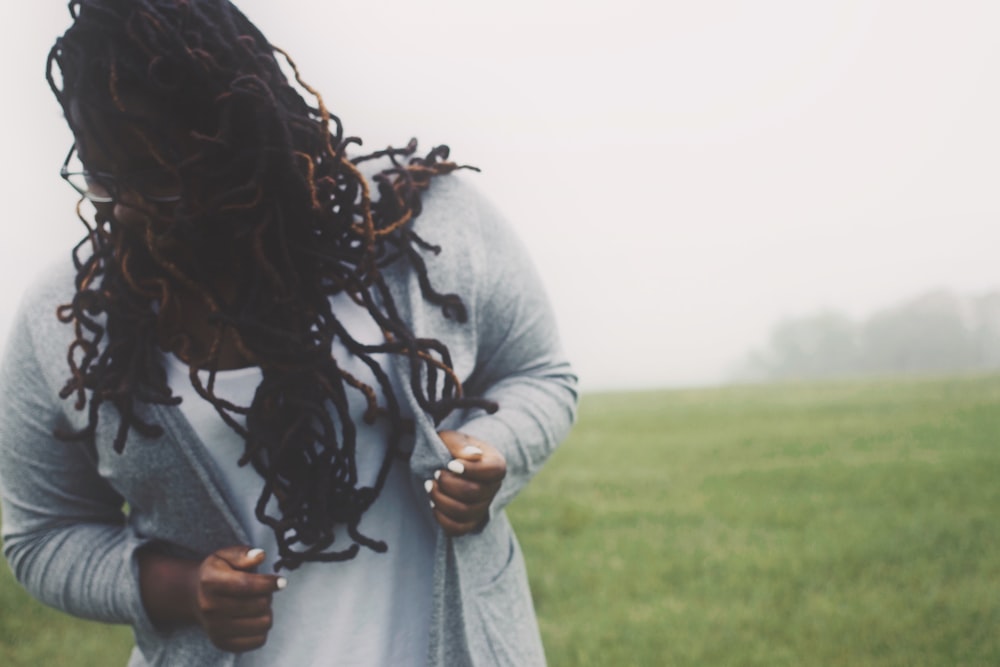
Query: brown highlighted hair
x,y
270,198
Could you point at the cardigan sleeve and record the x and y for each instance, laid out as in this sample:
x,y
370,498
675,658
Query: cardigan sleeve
x,y
520,362
65,534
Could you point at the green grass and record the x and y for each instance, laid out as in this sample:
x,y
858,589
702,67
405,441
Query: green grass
x,y
828,524
32,635
835,524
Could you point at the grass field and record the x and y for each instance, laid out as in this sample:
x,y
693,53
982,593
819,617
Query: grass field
x,y
832,524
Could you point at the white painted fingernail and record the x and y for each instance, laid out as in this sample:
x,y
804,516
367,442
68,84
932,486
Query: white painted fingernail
x,y
254,553
280,583
437,474
472,450
429,485
433,505
456,466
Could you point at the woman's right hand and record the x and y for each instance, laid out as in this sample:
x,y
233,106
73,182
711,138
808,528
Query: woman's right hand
x,y
232,602
223,594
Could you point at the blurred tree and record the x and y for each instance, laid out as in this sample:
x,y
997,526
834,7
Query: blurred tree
x,y
815,346
930,333
986,331
936,332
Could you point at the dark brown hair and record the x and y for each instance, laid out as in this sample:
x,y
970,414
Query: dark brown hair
x,y
270,196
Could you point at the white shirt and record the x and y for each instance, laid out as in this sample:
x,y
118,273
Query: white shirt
x,y
368,611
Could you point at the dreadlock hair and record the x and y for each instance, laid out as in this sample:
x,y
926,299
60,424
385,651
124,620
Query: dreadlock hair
x,y
268,195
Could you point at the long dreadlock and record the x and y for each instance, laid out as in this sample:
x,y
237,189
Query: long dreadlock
x,y
268,195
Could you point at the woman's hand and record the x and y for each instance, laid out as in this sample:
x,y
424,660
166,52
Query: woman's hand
x,y
461,493
233,603
223,594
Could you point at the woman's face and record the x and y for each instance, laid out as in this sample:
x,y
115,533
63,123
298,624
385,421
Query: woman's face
x,y
123,164
143,193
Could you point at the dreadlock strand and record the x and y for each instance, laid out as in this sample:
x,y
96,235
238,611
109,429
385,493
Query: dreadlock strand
x,y
271,200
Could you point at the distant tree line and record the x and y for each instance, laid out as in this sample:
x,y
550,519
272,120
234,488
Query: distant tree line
x,y
936,332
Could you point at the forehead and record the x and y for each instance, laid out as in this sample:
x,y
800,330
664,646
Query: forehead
x,y
138,137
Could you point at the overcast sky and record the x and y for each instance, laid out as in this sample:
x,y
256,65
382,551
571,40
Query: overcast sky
x,y
685,173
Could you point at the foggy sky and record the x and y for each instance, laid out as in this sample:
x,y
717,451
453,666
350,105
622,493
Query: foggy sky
x,y
684,173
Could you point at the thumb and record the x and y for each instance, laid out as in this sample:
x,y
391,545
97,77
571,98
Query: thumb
x,y
461,445
241,557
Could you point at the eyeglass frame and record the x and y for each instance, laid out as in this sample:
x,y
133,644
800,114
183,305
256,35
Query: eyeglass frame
x,y
106,180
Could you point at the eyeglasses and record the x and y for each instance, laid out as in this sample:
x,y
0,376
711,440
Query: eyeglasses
x,y
154,185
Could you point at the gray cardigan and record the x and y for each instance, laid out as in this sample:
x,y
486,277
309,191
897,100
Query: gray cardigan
x,y
70,544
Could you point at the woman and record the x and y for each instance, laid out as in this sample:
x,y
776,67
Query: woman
x,y
279,415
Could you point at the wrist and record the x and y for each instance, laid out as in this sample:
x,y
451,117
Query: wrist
x,y
168,586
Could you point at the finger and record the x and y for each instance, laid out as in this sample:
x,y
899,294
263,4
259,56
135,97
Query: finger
x,y
239,644
491,468
454,528
234,583
222,606
466,490
240,557
462,446
230,571
456,510
244,627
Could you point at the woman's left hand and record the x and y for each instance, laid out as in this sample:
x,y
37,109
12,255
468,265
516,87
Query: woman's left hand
x,y
461,493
